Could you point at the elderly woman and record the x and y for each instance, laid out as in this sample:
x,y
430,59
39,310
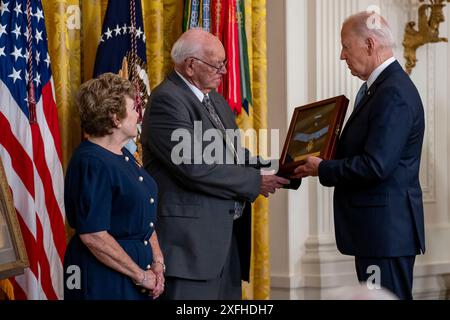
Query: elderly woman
x,y
110,201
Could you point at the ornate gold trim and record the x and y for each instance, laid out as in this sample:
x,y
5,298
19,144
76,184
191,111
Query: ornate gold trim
x,y
431,15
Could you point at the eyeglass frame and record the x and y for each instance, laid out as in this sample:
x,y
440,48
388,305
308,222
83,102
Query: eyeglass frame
x,y
218,69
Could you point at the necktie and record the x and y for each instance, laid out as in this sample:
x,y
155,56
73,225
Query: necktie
x,y
212,112
361,93
238,205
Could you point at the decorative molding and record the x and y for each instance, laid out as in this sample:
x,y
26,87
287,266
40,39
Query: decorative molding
x,y
430,17
432,281
429,152
332,80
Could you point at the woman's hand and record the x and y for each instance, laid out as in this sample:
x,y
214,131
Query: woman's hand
x,y
158,270
158,266
146,280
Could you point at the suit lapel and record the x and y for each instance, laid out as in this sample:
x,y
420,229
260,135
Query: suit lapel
x,y
221,110
175,78
361,104
394,67
211,118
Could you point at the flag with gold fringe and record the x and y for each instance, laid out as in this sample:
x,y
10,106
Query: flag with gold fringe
x,y
122,50
226,20
121,47
7,288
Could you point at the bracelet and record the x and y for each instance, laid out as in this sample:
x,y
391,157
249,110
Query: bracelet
x,y
160,263
143,280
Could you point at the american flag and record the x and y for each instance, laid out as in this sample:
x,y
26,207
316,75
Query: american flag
x,y
31,152
122,37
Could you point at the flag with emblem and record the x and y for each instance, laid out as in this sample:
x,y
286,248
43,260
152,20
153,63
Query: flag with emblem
x,y
30,147
121,47
226,20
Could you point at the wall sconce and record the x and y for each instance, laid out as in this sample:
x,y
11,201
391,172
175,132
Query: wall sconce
x,y
431,15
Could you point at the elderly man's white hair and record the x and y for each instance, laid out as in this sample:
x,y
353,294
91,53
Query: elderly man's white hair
x,y
369,24
186,46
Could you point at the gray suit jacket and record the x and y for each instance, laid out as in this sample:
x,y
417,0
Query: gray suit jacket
x,y
196,201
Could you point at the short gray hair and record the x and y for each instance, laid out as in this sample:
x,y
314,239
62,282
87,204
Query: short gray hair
x,y
379,30
184,48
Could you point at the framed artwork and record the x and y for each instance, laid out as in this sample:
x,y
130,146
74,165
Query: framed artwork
x,y
313,132
13,256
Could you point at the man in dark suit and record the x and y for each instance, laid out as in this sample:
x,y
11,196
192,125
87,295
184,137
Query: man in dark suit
x,y
204,224
378,205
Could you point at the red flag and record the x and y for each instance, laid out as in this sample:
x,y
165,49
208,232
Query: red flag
x,y
232,80
224,24
31,151
217,17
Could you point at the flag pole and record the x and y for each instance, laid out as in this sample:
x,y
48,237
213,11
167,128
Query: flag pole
x,y
31,92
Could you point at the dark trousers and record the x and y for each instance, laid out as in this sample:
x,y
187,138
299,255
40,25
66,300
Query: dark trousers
x,y
396,274
227,286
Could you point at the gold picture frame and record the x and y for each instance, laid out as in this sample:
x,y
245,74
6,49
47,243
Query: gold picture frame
x,y
314,131
13,255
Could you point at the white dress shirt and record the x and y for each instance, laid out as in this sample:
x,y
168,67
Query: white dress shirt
x,y
376,73
200,95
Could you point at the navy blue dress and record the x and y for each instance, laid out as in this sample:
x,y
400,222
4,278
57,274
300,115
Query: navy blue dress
x,y
107,192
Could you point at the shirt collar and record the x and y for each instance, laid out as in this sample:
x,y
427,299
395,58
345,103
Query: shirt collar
x,y
193,88
376,73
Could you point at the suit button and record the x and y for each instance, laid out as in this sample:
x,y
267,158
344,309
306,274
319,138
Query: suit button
x,y
127,159
152,201
145,243
141,179
151,224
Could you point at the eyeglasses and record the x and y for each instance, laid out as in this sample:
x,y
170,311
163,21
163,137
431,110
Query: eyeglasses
x,y
218,69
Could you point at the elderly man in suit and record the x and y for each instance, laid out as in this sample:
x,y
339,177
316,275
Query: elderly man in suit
x,y
378,205
203,213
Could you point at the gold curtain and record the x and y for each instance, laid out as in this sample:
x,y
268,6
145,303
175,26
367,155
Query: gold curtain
x,y
74,28
62,21
255,21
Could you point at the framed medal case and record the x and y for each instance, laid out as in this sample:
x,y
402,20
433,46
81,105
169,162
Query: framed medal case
x,y
313,132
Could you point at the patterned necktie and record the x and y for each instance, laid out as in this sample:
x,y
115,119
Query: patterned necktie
x,y
212,112
361,93
238,205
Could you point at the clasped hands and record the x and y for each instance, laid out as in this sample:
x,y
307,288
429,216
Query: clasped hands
x,y
309,169
153,280
271,182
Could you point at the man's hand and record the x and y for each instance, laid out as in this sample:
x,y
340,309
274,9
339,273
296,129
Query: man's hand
x,y
270,183
309,169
